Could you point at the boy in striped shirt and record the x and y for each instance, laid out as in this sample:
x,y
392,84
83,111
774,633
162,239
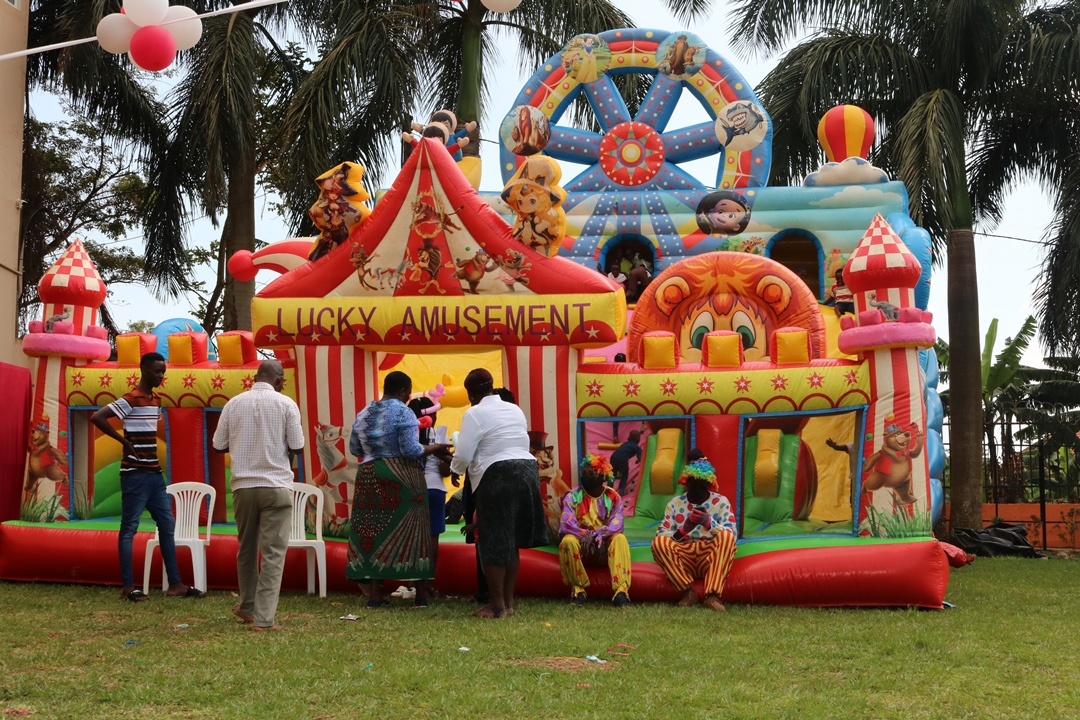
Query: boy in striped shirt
x,y
142,486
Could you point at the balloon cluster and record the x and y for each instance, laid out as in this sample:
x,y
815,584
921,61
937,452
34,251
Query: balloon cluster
x,y
150,32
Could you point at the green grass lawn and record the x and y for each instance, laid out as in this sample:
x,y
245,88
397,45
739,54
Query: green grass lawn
x,y
1010,649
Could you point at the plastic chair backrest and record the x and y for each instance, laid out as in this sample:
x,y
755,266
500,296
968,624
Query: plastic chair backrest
x,y
302,494
189,497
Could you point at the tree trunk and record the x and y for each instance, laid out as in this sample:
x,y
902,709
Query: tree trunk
x,y
965,384
238,233
468,107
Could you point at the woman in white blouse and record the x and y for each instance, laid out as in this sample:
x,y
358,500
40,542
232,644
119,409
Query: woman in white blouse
x,y
493,445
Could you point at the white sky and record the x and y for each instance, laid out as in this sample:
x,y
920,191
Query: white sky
x,y
1007,269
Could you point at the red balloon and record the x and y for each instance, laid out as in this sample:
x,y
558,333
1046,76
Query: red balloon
x,y
153,48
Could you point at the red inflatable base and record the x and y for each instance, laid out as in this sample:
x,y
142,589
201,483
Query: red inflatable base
x,y
907,574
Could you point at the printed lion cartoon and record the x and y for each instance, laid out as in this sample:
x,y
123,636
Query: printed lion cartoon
x,y
748,294
890,467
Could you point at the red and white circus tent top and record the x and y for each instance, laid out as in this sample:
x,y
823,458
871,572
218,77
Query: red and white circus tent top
x,y
423,239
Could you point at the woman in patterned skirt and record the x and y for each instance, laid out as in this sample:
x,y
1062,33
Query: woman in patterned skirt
x,y
389,530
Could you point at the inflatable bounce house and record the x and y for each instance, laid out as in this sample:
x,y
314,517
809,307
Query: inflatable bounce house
x,y
821,419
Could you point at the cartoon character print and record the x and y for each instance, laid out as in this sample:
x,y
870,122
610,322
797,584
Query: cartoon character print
x,y
890,311
535,197
360,260
525,130
46,462
335,479
741,125
723,213
681,57
890,466
744,293
514,267
552,487
470,271
338,208
430,218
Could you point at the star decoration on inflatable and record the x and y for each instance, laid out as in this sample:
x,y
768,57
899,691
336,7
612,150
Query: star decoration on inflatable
x,y
631,388
668,386
133,380
779,382
217,381
105,380
594,388
248,382
852,377
189,381
742,384
77,379
815,380
705,385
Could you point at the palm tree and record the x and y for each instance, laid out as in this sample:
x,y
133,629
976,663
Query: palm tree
x,y
219,114
940,78
385,61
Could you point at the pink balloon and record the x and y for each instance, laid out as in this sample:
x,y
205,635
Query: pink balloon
x,y
153,48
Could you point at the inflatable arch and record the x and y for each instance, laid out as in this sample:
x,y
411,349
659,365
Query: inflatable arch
x,y
823,428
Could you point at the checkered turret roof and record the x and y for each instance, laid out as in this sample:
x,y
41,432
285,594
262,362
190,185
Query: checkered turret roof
x,y
72,279
881,260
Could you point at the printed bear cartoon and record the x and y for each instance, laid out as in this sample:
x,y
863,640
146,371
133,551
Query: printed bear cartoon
x,y
890,467
46,462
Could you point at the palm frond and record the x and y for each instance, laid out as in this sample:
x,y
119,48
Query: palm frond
x,y
839,66
356,99
930,157
762,27
1057,293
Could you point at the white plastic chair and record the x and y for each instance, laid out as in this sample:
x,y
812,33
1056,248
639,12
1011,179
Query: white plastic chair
x,y
316,549
189,498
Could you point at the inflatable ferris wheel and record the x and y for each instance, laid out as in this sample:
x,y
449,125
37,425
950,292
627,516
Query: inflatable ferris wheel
x,y
633,182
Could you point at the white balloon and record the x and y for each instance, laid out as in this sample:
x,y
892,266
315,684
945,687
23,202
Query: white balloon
x,y
501,6
184,25
114,33
146,12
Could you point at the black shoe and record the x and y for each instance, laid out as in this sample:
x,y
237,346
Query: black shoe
x,y
579,599
620,600
377,603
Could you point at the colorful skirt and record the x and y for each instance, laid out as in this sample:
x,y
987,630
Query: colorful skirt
x,y
390,525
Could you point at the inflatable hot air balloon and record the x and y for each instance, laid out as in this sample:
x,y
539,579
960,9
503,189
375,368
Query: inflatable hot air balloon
x,y
846,131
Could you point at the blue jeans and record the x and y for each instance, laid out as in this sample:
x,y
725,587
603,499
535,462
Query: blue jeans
x,y
146,491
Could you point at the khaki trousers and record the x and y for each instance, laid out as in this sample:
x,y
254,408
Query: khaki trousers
x,y
262,525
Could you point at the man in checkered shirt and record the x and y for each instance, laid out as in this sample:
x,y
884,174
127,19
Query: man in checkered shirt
x,y
261,430
142,486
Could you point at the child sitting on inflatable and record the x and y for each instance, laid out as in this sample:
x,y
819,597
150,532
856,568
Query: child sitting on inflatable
x,y
592,530
696,539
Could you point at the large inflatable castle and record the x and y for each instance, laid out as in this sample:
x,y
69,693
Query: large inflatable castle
x,y
822,421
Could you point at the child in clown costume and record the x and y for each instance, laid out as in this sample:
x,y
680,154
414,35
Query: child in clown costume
x,y
696,539
591,530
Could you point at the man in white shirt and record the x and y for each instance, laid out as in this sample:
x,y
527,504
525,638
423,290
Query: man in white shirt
x,y
261,430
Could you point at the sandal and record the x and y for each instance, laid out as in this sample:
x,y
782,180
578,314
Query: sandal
x,y
192,592
137,596
488,612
